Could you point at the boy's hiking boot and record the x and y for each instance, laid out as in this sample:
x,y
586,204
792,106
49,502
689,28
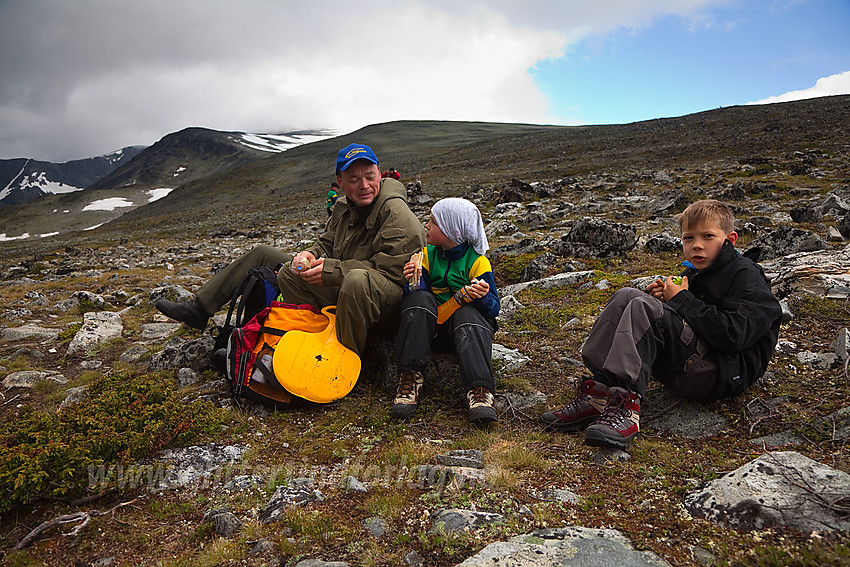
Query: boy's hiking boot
x,y
619,423
590,400
189,312
407,394
481,406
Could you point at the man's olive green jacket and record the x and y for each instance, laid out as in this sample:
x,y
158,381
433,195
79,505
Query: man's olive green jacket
x,y
380,237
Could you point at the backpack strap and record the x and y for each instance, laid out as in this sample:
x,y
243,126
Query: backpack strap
x,y
247,287
233,300
269,378
272,331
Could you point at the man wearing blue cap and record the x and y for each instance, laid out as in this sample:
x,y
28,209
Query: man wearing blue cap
x,y
357,263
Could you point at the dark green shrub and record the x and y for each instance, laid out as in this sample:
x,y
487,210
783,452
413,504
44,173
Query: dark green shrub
x,y
124,418
508,269
69,333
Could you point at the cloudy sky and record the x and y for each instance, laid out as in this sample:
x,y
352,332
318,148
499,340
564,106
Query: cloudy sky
x,y
80,78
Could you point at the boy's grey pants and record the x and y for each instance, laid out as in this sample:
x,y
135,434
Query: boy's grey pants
x,y
637,336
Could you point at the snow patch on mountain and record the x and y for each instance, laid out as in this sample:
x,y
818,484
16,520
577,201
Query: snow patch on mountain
x,y
53,187
8,188
115,156
281,142
108,204
4,238
157,194
39,180
36,179
112,203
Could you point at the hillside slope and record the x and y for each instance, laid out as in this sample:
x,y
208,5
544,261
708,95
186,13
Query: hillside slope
x,y
453,156
449,158
181,157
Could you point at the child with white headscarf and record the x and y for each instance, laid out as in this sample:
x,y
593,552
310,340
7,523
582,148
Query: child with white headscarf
x,y
452,294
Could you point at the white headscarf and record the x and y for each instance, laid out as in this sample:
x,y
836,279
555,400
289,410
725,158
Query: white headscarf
x,y
460,221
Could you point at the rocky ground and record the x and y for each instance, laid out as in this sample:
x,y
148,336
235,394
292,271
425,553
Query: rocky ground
x,y
758,480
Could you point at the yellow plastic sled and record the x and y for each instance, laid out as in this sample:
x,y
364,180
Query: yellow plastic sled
x,y
315,366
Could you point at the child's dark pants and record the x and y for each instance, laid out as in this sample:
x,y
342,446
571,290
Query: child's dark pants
x,y
470,333
637,336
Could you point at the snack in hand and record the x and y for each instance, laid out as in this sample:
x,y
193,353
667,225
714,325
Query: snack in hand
x,y
413,283
299,264
677,280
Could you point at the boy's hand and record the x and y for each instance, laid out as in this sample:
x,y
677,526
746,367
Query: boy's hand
x,y
671,288
656,289
478,288
408,270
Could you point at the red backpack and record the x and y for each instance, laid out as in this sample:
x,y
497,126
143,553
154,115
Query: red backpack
x,y
250,350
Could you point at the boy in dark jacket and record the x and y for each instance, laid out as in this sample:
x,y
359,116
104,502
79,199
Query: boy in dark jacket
x,y
709,335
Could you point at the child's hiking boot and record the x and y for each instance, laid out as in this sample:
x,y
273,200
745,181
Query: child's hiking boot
x,y
586,407
189,312
619,423
481,409
407,394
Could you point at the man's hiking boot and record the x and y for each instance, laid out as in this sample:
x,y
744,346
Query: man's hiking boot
x,y
189,312
407,394
481,406
619,423
586,407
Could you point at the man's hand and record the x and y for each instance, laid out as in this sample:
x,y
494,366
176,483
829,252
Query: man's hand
x,y
312,275
301,261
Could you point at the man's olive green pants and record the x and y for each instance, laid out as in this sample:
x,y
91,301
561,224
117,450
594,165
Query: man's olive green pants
x,y
365,298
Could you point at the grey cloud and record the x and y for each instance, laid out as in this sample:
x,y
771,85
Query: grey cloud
x,y
84,77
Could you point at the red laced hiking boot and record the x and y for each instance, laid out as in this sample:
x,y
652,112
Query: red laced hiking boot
x,y
590,400
619,423
407,394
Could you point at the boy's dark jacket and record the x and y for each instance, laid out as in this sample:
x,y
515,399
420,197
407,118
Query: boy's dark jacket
x,y
730,306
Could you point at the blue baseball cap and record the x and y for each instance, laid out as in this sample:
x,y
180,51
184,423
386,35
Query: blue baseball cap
x,y
351,153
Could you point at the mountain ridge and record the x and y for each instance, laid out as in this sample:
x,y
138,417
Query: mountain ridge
x,y
92,196
449,156
25,179
195,152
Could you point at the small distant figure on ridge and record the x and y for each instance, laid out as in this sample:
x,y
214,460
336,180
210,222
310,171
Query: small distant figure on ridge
x,y
333,195
392,173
